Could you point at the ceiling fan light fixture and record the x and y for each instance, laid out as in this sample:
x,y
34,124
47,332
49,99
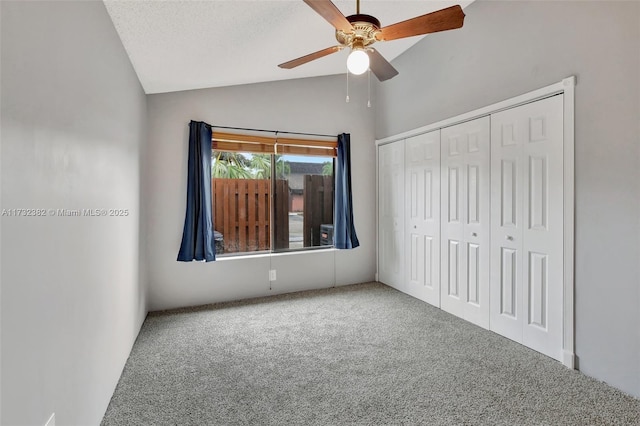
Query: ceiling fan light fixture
x,y
360,31
358,62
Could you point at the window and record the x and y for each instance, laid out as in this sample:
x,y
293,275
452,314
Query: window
x,y
267,201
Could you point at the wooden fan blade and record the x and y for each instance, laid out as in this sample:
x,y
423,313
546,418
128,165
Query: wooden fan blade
x,y
441,20
331,13
310,57
380,66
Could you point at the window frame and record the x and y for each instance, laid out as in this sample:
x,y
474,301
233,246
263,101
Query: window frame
x,y
274,146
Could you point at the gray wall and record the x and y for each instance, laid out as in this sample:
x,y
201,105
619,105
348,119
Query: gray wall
x,y
308,105
73,126
509,48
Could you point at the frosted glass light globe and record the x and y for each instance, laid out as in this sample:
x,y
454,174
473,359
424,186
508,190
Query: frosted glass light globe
x,y
358,62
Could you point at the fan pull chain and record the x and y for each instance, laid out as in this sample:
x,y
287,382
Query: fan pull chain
x,y
369,82
347,100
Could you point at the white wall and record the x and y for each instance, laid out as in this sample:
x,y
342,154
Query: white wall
x,y
308,105
509,48
73,126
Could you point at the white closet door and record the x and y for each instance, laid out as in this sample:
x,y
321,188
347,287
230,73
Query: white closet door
x,y
527,224
506,224
422,217
465,220
391,214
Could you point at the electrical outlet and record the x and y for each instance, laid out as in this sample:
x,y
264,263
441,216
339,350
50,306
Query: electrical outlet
x,y
51,421
272,275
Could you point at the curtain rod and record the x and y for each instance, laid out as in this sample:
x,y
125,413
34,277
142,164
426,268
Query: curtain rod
x,y
277,132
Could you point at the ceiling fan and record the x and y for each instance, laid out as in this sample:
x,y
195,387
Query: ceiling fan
x,y
358,32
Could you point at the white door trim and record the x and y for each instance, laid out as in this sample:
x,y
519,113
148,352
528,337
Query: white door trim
x,y
377,215
568,329
566,86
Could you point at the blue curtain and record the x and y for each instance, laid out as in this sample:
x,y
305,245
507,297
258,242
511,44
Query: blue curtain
x,y
197,235
344,234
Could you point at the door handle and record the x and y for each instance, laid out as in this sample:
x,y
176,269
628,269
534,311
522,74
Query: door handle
x,y
474,234
509,237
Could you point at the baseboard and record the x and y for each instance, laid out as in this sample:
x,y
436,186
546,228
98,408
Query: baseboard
x,y
569,359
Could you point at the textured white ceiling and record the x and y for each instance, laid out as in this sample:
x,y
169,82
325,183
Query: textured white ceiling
x,y
182,45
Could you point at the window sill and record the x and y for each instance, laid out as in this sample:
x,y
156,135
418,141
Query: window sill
x,y
223,258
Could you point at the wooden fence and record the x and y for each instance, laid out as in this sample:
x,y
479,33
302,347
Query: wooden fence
x,y
318,207
241,213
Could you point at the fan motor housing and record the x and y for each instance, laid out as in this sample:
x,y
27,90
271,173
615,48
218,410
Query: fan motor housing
x,y
365,28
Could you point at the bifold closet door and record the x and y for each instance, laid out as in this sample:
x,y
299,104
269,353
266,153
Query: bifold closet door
x,y
391,214
464,251
422,217
527,224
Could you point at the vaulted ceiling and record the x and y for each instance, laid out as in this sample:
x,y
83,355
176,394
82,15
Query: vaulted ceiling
x,y
182,45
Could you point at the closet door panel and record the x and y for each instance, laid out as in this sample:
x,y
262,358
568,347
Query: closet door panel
x,y
391,214
543,230
452,225
507,135
422,216
477,221
527,225
465,220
